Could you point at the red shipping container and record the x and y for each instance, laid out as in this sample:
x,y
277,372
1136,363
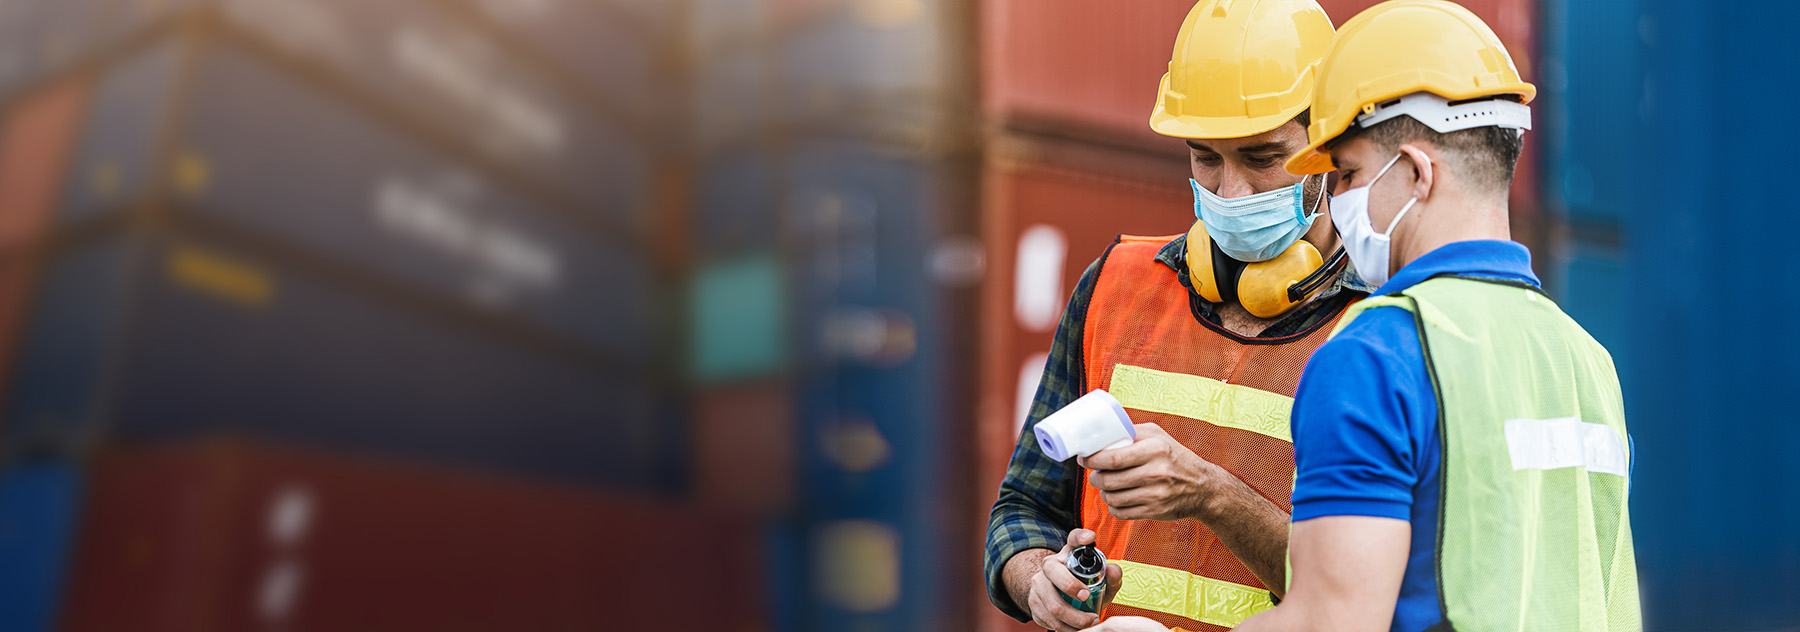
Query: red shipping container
x,y
1058,221
1085,68
746,447
233,536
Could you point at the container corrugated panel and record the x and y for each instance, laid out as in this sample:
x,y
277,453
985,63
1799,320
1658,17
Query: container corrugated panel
x,y
40,38
37,136
156,337
423,59
612,50
262,152
881,64
882,518
747,447
237,536
1594,91
738,197
1054,223
1715,511
1091,65
38,514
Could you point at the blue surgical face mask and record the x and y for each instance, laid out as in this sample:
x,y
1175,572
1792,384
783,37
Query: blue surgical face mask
x,y
1255,227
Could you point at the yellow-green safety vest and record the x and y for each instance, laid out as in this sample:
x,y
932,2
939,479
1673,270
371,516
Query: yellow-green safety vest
x,y
1533,528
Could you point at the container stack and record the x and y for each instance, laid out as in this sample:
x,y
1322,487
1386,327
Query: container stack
x,y
334,314
830,299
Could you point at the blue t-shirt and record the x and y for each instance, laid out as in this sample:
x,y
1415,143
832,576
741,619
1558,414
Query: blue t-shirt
x,y
1365,420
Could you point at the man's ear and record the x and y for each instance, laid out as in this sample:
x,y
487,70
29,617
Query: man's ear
x,y
1423,172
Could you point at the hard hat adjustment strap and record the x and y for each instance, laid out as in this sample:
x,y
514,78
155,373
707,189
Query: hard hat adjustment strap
x,y
1444,116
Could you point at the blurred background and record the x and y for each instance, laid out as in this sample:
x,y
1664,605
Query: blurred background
x,y
723,314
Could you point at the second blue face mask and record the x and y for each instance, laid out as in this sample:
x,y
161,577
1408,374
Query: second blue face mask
x,y
1255,227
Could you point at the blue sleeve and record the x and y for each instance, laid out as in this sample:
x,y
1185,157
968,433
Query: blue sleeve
x,y
1362,420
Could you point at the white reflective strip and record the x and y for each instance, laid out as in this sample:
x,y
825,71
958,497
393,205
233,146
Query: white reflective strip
x,y
1549,444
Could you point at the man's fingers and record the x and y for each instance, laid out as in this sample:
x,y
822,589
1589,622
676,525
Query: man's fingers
x,y
1118,480
1144,450
1060,578
1115,579
1134,497
1050,611
1081,537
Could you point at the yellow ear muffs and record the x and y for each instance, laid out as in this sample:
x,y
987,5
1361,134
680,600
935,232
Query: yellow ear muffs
x,y
1200,266
1266,289
1263,286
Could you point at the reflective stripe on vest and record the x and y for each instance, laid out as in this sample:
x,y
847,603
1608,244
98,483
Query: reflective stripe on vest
x,y
1224,397
1190,596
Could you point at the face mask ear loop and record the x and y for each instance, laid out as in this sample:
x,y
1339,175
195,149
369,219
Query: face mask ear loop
x,y
1403,210
1390,229
1302,215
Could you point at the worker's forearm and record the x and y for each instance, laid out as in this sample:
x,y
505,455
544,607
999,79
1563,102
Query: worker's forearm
x,y
1018,574
1254,529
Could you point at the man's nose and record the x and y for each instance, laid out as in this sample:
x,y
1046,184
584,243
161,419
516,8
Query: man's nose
x,y
1233,184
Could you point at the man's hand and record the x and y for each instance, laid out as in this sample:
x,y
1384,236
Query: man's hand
x,y
1053,580
1154,478
1130,624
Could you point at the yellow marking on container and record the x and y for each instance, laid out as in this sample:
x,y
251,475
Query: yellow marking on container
x,y
221,277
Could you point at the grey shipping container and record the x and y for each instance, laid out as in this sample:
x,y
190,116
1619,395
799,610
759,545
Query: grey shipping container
x,y
255,149
432,65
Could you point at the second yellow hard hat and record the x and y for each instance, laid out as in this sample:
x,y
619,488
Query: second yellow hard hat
x,y
1402,47
1240,68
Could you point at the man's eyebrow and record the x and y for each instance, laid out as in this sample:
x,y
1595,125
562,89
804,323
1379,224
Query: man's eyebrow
x,y
1196,145
1263,148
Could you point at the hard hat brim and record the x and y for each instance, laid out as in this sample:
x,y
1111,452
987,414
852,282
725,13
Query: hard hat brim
x,y
1219,126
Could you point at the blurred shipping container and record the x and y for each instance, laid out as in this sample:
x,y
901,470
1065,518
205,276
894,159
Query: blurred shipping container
x,y
1084,69
886,445
1715,505
160,337
347,188
38,522
616,51
747,447
419,57
237,536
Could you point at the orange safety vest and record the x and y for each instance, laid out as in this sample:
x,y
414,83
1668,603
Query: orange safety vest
x,y
1223,396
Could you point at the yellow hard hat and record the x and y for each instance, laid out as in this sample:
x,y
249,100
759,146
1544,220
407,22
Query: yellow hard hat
x,y
1240,68
1398,48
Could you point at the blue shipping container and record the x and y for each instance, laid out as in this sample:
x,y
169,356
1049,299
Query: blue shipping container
x,y
38,512
1716,500
151,337
259,151
876,392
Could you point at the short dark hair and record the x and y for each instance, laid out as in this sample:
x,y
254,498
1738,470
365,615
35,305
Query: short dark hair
x,y
1304,118
1487,155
